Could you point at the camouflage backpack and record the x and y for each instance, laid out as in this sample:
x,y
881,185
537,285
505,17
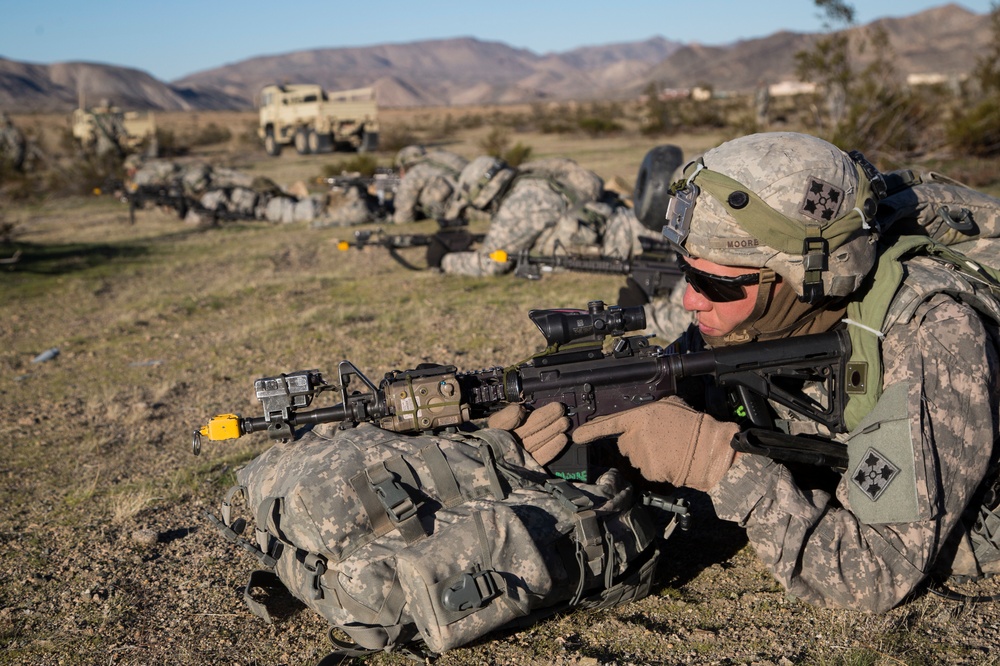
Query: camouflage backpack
x,y
577,184
944,209
422,544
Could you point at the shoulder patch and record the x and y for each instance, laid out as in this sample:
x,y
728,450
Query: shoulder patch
x,y
874,474
822,200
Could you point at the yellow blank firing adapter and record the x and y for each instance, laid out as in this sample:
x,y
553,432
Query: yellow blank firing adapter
x,y
223,426
499,256
343,246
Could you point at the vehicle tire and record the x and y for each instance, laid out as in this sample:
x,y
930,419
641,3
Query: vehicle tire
x,y
369,142
319,142
271,145
302,142
652,185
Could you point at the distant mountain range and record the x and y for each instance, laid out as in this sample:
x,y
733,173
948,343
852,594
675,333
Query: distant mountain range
x,y
944,40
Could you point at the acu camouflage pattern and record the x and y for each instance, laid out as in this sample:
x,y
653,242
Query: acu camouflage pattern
x,y
801,177
224,189
853,545
427,186
552,205
473,508
13,144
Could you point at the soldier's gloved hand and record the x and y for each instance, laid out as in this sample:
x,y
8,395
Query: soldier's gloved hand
x,y
669,441
542,432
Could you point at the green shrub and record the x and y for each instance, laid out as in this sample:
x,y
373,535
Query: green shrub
x,y
363,163
211,134
517,155
393,138
976,131
597,126
496,143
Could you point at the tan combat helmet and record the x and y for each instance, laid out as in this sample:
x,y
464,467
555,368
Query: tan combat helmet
x,y
479,183
788,202
409,156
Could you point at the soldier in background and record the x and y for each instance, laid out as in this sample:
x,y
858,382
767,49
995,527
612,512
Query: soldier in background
x,y
224,192
428,179
109,129
13,145
545,206
761,104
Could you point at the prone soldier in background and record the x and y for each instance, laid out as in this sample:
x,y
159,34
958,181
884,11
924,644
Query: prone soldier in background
x,y
545,205
428,180
201,192
13,145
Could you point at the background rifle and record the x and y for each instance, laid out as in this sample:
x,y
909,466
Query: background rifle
x,y
451,236
654,271
573,369
166,195
172,196
379,189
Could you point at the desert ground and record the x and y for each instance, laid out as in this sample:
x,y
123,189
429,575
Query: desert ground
x,y
107,557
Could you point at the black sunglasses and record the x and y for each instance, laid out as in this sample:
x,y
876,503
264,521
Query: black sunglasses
x,y
717,288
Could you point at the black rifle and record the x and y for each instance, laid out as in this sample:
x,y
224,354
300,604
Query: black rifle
x,y
379,189
160,195
573,369
451,236
654,271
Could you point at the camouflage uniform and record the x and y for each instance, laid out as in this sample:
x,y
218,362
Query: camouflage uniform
x,y
344,207
429,179
666,316
532,210
223,189
526,211
819,544
905,506
13,145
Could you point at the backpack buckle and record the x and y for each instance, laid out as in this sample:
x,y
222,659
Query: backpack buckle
x,y
393,496
469,591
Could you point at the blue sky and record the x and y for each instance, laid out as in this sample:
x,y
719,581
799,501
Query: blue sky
x,y
172,38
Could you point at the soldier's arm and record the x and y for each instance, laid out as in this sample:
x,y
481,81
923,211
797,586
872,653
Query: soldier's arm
x,y
406,197
869,546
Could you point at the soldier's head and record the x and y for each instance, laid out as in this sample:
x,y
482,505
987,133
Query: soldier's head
x,y
409,156
772,216
479,184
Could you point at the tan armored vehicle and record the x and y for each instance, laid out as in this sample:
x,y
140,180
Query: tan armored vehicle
x,y
105,127
317,121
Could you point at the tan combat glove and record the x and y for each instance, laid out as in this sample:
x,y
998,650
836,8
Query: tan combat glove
x,y
542,433
668,441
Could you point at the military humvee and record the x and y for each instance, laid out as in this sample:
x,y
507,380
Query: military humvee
x,y
317,121
105,126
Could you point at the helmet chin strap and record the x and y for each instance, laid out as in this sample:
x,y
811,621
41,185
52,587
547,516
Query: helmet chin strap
x,y
746,331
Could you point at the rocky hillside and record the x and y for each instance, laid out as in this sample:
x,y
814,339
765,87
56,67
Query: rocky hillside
x,y
944,40
465,70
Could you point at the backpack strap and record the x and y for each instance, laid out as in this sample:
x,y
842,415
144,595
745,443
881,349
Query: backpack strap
x,y
392,496
445,482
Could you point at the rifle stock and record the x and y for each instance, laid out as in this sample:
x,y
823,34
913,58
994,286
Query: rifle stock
x,y
575,370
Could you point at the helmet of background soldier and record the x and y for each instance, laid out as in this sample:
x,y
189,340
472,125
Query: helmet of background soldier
x,y
479,183
789,202
409,156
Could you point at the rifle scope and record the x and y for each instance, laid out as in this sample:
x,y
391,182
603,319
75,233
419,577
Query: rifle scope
x,y
593,324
